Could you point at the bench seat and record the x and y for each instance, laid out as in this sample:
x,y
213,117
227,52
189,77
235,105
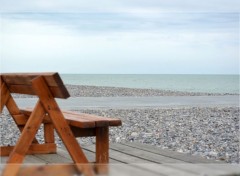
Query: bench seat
x,y
81,120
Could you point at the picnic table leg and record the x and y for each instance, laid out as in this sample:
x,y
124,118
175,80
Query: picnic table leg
x,y
24,142
49,133
102,149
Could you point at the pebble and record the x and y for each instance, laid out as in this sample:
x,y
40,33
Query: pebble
x,y
210,132
134,134
188,130
101,91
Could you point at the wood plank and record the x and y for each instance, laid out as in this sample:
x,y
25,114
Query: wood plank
x,y
48,133
21,89
72,120
200,169
161,169
226,168
58,92
18,78
63,169
27,112
153,168
165,169
119,156
83,120
33,149
52,78
73,117
22,83
29,159
102,149
61,124
129,170
49,170
53,158
143,154
20,119
102,145
171,154
91,155
99,120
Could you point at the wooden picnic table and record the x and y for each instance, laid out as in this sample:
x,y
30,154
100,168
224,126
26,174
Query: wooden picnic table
x,y
68,125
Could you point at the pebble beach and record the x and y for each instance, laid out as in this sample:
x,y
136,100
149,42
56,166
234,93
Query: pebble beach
x,y
210,132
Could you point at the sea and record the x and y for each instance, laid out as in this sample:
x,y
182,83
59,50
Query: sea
x,y
189,83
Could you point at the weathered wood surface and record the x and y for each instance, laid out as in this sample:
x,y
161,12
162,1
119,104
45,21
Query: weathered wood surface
x,y
83,120
22,83
135,159
33,149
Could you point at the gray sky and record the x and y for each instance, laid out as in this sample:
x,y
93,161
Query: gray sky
x,y
126,37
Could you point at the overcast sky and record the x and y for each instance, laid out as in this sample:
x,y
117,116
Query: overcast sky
x,y
125,37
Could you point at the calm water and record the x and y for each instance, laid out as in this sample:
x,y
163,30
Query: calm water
x,y
190,83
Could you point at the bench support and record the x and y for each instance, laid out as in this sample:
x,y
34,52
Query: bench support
x,y
25,140
60,124
45,104
33,149
102,149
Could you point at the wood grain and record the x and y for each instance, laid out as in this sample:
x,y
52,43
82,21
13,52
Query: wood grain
x,y
22,83
33,149
102,149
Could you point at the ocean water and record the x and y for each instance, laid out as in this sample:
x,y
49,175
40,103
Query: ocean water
x,y
189,83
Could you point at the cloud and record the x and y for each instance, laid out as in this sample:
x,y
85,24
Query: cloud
x,y
119,6
120,37
120,22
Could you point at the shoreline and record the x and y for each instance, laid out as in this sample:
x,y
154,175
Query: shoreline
x,y
102,91
82,103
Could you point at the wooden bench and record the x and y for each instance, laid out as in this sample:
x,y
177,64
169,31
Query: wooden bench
x,y
68,125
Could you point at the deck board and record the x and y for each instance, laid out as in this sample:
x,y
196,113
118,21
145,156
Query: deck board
x,y
162,169
120,157
140,159
170,154
204,168
143,154
54,158
90,154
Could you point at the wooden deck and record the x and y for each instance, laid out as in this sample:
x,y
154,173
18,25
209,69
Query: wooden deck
x,y
141,160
